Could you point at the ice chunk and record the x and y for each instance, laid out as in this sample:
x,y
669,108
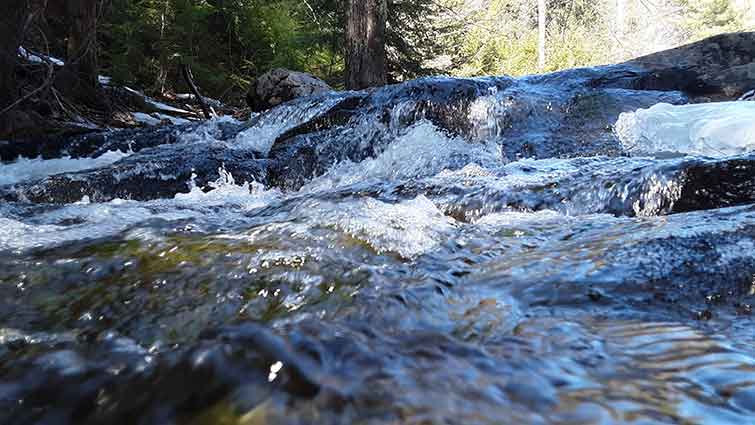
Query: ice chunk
x,y
31,169
145,119
707,129
157,119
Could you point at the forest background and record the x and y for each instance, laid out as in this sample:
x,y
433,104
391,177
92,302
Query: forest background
x,y
230,42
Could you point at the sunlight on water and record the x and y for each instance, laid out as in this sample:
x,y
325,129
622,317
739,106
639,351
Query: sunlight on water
x,y
261,135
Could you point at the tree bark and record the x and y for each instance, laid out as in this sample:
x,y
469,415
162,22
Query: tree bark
x,y
541,14
13,22
365,44
82,41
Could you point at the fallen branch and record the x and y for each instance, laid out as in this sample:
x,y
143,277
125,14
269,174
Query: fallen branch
x,y
186,71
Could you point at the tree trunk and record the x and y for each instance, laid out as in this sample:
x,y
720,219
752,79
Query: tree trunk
x,y
78,80
82,41
541,34
365,44
13,22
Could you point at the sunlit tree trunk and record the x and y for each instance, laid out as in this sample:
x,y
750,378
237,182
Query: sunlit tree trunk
x,y
541,12
365,44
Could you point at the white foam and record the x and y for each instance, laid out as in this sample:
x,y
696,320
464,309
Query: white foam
x,y
94,220
25,169
514,218
708,129
422,151
225,191
409,228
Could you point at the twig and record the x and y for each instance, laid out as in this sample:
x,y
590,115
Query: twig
x,y
186,71
314,16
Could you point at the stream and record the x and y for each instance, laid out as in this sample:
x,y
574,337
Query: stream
x,y
572,248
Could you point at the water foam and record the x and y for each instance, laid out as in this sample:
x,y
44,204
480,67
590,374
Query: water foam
x,y
709,129
409,228
423,150
94,220
25,169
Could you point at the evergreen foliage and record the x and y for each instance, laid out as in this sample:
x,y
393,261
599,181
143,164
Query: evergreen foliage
x,y
225,41
230,42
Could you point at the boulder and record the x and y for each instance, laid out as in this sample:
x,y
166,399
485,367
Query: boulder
x,y
718,68
281,85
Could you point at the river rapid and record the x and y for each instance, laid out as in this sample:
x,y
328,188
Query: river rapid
x,y
485,251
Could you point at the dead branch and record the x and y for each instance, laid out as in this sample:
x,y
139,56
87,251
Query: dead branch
x,y
186,71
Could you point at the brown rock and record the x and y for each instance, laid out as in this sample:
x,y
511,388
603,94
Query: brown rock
x,y
281,85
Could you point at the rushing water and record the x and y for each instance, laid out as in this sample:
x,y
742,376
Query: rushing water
x,y
439,279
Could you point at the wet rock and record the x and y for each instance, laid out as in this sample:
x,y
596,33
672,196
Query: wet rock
x,y
717,68
560,115
719,184
619,186
282,85
159,172
90,145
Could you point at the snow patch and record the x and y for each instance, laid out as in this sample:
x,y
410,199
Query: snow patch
x,y
708,129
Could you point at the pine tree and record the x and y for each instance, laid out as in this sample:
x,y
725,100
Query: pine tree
x,y
365,44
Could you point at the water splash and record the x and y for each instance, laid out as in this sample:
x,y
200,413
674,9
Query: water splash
x,y
87,220
409,228
267,127
423,150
